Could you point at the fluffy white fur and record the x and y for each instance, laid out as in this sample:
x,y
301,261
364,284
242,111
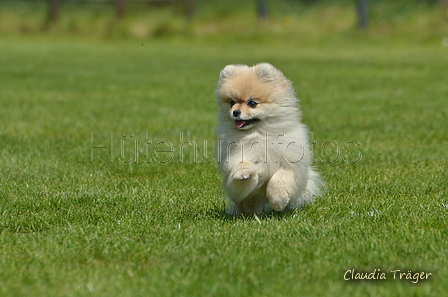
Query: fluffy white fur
x,y
263,149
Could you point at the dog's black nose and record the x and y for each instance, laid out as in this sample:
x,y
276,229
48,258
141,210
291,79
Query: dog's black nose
x,y
236,113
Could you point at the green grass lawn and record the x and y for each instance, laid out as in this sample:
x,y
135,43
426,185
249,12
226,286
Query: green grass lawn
x,y
79,221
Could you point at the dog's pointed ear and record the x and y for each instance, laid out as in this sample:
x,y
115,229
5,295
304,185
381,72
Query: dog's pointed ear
x,y
227,72
267,71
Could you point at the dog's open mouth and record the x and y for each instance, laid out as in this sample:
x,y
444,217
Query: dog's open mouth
x,y
244,123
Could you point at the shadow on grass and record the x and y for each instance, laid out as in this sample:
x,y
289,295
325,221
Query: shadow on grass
x,y
221,214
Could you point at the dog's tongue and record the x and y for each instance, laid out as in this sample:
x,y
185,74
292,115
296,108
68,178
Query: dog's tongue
x,y
240,123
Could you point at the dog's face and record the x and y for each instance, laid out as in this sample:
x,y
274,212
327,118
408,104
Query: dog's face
x,y
248,96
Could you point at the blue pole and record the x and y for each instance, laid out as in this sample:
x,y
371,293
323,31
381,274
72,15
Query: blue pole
x,y
263,9
362,13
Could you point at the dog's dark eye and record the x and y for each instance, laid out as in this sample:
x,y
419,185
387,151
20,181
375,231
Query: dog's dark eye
x,y
252,103
232,102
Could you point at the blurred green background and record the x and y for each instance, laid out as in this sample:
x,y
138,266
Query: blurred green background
x,y
286,19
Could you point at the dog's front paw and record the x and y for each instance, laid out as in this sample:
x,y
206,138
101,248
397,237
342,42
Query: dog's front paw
x,y
280,189
242,173
279,201
241,182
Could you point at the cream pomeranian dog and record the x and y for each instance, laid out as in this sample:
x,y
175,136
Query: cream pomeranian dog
x,y
263,148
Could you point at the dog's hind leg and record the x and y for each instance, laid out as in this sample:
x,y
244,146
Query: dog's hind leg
x,y
248,207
